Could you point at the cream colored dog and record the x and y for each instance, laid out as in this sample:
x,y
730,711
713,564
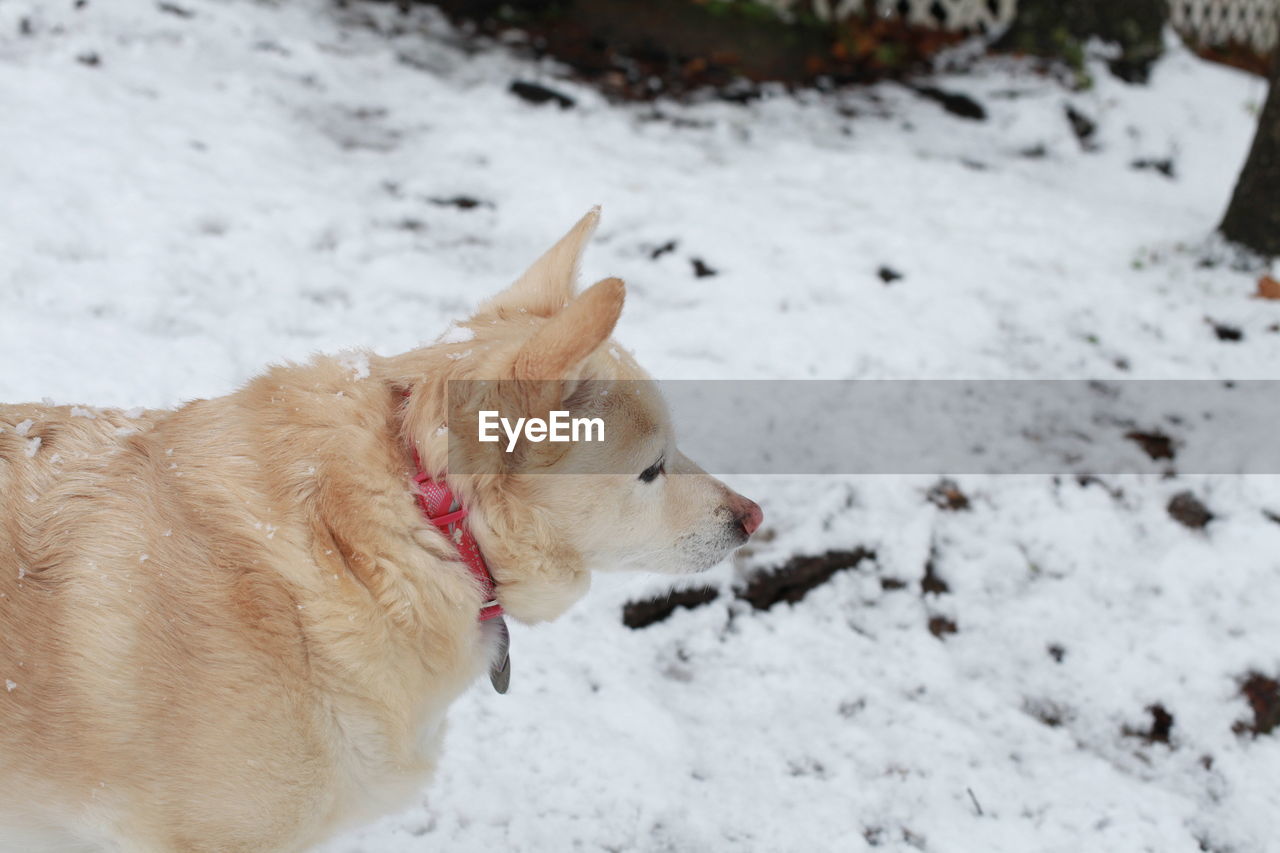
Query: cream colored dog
x,y
229,627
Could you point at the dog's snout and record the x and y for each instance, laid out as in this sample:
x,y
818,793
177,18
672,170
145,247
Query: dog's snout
x,y
746,513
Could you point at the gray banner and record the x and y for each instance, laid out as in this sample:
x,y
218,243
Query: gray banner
x,y
895,426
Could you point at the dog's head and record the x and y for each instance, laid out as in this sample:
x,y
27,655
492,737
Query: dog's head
x,y
546,514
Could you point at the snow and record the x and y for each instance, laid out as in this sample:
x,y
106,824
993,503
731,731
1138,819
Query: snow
x,y
357,363
456,335
255,182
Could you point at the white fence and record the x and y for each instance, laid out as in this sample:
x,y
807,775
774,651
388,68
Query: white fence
x,y
1253,23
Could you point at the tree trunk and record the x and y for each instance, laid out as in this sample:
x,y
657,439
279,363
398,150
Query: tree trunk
x,y
1253,216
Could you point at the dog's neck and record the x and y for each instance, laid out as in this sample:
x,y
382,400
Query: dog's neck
x,y
539,576
446,512
440,507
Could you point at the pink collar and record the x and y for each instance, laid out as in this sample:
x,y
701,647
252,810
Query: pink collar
x,y
441,508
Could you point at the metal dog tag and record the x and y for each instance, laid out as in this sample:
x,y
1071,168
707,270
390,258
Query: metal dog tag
x,y
500,669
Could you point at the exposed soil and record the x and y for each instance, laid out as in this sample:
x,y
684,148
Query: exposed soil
x,y
940,626
1263,695
640,50
1155,444
641,614
1159,730
931,583
946,495
798,576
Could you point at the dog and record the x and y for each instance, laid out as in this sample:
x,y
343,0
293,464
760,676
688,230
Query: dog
x,y
238,625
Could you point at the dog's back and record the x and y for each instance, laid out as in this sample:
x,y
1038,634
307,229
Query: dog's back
x,y
122,619
180,624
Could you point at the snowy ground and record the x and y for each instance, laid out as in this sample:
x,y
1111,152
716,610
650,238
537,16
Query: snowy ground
x,y
191,190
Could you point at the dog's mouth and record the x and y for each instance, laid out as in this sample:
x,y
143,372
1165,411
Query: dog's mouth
x,y
701,555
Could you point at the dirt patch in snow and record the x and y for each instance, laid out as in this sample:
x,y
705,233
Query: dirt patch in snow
x,y
791,583
645,612
1263,695
946,495
1159,730
794,580
1155,444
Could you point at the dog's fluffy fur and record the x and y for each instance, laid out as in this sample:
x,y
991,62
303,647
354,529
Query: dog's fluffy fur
x,y
228,627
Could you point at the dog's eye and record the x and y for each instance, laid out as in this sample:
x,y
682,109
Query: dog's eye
x,y
651,473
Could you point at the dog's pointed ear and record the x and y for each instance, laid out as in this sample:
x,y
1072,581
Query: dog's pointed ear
x,y
548,285
566,339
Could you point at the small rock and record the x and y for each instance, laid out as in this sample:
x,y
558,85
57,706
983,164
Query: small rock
x,y
536,93
1082,126
955,103
1155,444
1186,509
1263,695
940,626
701,270
1227,332
658,251
888,274
462,202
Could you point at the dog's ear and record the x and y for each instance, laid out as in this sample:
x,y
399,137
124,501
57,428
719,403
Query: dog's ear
x,y
548,285
566,339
